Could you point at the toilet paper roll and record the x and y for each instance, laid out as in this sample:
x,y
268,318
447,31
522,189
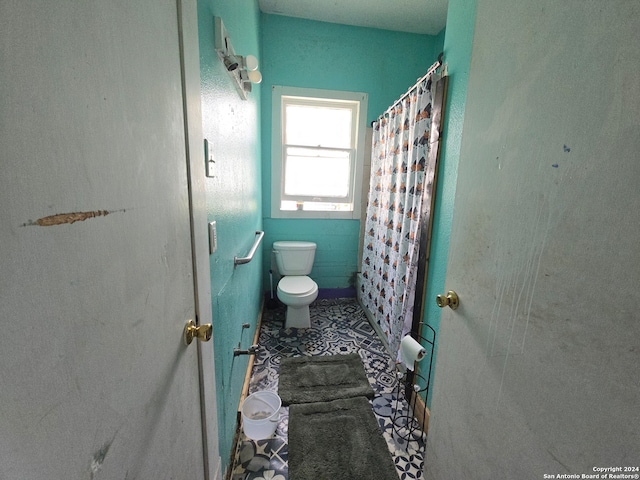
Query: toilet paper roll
x,y
411,351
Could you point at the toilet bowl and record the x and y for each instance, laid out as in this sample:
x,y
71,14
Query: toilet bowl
x,y
297,293
295,289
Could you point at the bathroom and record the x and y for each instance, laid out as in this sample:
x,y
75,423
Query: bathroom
x,y
300,53
573,269
305,53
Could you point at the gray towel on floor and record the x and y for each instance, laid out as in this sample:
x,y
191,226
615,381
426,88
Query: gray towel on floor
x,y
322,379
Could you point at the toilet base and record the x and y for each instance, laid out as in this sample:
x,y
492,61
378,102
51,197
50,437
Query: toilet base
x,y
297,317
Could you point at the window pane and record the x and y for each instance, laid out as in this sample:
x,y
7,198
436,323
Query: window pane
x,y
318,126
317,173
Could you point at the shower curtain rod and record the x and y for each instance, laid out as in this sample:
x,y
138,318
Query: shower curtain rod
x,y
432,68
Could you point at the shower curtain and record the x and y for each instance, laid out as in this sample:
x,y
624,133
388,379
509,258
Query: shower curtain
x,y
400,171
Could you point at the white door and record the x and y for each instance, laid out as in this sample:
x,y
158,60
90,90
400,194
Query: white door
x,y
537,370
96,272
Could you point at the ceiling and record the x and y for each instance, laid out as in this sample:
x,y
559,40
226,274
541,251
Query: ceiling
x,y
414,16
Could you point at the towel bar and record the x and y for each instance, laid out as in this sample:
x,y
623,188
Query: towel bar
x,y
249,257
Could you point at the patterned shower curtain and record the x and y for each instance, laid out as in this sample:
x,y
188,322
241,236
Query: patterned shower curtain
x,y
399,172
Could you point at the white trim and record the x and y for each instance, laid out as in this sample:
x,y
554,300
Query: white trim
x,y
276,149
187,10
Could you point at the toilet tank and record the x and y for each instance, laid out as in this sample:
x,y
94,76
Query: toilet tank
x,y
294,258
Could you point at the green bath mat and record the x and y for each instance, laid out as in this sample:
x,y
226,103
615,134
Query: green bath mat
x,y
337,440
322,379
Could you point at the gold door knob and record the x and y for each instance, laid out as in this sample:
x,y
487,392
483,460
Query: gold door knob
x,y
202,333
451,300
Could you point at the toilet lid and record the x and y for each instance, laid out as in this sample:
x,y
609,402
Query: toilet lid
x,y
297,284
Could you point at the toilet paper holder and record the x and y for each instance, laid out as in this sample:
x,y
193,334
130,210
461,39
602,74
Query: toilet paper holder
x,y
410,385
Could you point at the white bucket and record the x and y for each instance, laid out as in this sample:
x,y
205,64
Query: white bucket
x,y
260,414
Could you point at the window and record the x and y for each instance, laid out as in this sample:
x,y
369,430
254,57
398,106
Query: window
x,y
317,153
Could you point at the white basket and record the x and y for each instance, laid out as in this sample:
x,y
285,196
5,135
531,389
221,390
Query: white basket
x,y
260,414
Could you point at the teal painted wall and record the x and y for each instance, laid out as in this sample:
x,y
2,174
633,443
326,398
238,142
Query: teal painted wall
x,y
457,55
305,53
232,126
338,254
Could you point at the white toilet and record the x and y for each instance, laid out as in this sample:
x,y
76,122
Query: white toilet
x,y
295,289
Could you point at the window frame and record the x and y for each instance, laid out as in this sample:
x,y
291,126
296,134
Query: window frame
x,y
308,96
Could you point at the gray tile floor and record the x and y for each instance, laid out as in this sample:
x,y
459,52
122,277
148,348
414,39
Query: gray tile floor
x,y
337,327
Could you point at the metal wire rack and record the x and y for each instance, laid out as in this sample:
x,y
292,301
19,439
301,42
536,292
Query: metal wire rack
x,y
410,424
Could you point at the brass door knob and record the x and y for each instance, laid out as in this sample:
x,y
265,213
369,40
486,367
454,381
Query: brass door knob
x,y
450,300
202,333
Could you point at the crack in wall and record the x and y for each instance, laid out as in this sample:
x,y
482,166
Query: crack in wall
x,y
68,218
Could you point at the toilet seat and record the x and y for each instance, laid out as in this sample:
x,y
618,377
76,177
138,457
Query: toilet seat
x,y
297,285
297,292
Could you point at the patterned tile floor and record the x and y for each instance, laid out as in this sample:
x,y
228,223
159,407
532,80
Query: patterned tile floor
x,y
337,327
